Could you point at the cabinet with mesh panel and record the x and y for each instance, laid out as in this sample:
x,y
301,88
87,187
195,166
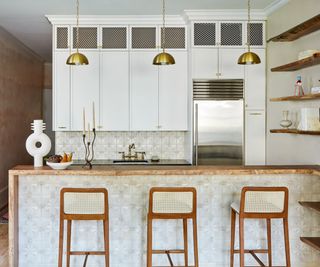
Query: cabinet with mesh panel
x,y
87,39
233,34
255,34
173,37
144,37
62,38
114,37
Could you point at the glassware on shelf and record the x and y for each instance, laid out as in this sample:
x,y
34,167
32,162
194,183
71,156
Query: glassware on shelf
x,y
285,122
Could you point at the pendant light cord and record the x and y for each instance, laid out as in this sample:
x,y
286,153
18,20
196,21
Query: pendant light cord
x,y
78,11
248,25
164,24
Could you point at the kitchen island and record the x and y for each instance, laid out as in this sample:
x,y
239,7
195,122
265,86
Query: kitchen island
x,y
34,213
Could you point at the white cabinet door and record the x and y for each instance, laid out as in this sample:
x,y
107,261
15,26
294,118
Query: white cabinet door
x,y
205,63
229,67
61,92
255,137
255,83
144,91
85,87
114,102
173,94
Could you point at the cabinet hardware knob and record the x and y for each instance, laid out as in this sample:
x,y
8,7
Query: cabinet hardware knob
x,y
100,127
62,127
255,113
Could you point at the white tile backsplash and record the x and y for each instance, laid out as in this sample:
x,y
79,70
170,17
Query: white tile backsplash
x,y
165,145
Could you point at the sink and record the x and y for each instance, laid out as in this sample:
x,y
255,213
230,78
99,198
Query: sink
x,y
129,162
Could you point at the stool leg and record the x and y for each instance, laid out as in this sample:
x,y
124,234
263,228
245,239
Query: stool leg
x,y
149,243
106,242
286,241
269,242
61,242
233,232
185,241
195,242
241,241
68,242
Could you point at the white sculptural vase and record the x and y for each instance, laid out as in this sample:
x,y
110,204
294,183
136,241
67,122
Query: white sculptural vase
x,y
38,144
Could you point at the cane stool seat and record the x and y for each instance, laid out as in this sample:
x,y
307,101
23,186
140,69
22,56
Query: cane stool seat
x,y
260,203
173,203
83,204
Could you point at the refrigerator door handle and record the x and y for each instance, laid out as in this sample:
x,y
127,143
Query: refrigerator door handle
x,y
196,137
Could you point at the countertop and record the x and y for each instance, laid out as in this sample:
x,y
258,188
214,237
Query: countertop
x,y
127,170
161,162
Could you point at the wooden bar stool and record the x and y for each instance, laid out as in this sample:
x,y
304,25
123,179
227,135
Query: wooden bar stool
x,y
83,204
173,203
260,203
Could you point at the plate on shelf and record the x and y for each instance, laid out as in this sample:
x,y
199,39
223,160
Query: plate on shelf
x,y
59,166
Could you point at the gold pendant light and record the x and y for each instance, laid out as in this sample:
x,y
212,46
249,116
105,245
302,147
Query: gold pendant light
x,y
249,58
163,58
77,58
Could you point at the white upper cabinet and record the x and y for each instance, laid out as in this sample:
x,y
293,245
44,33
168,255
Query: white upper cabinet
x,y
114,91
255,81
173,93
85,86
205,63
61,92
228,64
144,91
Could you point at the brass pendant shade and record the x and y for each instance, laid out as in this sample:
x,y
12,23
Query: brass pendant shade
x,y
163,59
77,58
249,58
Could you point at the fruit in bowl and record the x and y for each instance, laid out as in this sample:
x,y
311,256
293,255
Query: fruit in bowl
x,y
58,162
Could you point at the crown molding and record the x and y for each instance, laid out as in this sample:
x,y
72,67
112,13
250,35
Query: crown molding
x,y
114,19
275,6
224,14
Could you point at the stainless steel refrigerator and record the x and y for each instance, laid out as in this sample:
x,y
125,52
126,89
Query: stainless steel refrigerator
x,y
218,122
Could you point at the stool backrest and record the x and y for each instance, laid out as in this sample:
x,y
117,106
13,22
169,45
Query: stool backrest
x,y
84,203
173,202
264,200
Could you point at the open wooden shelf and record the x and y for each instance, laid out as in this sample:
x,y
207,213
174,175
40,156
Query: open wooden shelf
x,y
312,241
298,31
294,131
312,205
299,64
295,98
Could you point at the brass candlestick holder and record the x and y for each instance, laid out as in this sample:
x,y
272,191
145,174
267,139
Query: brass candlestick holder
x,y
89,149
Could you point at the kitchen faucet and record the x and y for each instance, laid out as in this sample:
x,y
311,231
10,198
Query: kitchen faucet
x,y
132,155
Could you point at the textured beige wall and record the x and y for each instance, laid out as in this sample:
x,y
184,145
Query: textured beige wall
x,y
285,148
21,83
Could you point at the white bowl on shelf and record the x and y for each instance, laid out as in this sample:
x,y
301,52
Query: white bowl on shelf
x,y
59,166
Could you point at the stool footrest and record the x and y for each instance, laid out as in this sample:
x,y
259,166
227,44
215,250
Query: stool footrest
x,y
252,251
166,251
87,253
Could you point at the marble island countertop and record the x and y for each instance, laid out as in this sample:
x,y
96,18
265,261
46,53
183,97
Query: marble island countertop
x,y
125,170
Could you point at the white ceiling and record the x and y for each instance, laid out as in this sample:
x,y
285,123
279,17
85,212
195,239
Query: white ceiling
x,y
25,19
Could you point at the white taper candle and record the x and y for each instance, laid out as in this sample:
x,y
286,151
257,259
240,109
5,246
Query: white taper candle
x,y
94,116
84,122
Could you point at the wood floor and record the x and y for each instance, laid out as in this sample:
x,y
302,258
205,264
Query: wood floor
x,y
4,260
